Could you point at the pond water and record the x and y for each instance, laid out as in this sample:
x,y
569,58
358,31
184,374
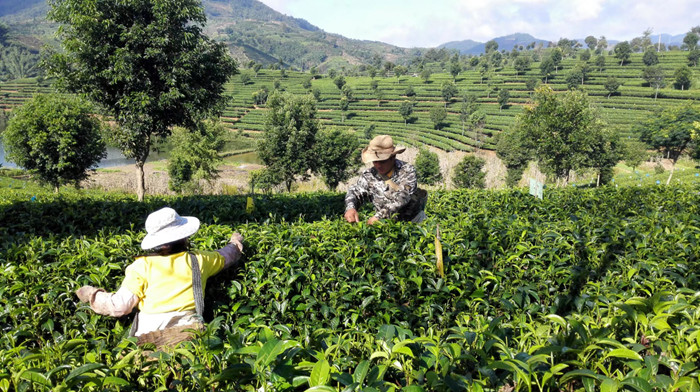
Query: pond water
x,y
248,157
114,158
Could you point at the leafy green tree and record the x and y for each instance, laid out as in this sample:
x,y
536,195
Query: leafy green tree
x,y
606,151
147,62
650,58
514,153
425,75
343,105
339,81
693,57
690,41
405,110
600,63
654,75
521,64
55,136
468,173
557,56
671,131
531,84
477,120
264,179
410,92
634,153
290,131
622,51
256,69
455,69
469,106
591,42
347,92
503,97
260,96
683,78
559,129
491,46
449,91
585,55
306,82
547,68
428,167
195,156
338,153
611,84
437,116
245,79
573,79
399,71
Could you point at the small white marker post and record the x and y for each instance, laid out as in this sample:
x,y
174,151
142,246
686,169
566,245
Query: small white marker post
x,y
536,188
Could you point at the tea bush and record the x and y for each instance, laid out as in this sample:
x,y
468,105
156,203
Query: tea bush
x,y
587,289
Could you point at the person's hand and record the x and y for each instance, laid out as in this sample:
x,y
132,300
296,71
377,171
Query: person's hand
x,y
352,216
86,293
237,239
372,220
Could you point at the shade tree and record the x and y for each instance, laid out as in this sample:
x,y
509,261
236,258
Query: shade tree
x,y
147,63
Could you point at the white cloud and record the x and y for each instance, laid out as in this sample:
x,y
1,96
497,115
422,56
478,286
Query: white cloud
x,y
420,23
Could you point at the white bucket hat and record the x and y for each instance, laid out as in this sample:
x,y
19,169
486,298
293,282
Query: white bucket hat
x,y
165,226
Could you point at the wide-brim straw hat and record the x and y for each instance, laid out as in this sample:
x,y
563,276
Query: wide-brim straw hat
x,y
165,226
380,148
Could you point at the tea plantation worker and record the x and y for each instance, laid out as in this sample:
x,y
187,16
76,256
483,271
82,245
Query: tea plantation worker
x,y
162,284
390,185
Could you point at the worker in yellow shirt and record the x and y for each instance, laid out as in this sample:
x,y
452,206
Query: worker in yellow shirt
x,y
166,284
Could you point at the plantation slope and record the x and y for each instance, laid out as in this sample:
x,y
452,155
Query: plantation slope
x,y
584,290
631,105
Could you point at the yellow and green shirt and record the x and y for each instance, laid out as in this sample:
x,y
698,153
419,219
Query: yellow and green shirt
x,y
164,283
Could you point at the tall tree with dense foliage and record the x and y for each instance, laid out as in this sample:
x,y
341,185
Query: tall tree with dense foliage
x,y
405,110
683,78
146,61
338,153
437,116
195,156
605,153
55,136
503,97
428,167
468,173
654,75
449,91
290,131
671,131
611,84
514,153
622,51
559,129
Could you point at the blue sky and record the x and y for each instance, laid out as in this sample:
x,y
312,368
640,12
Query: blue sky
x,y
429,23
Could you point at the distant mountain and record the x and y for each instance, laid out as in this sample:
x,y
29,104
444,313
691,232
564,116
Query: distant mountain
x,y
504,43
252,30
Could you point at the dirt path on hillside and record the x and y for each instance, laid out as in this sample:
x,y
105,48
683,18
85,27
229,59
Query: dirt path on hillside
x,y
234,178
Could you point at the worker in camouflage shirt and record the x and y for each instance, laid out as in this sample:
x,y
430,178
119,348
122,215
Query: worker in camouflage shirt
x,y
390,185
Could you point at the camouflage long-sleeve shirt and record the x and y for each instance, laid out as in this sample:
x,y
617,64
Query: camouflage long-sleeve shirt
x,y
397,196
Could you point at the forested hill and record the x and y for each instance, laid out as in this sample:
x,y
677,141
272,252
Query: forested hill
x,y
252,30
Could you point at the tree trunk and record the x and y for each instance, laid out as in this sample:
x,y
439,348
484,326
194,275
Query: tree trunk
x,y
670,175
140,181
597,182
656,93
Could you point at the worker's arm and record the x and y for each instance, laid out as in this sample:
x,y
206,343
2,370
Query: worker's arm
x,y
111,304
354,198
233,251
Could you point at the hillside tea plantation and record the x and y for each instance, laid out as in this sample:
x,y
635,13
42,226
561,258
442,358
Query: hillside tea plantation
x,y
585,290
